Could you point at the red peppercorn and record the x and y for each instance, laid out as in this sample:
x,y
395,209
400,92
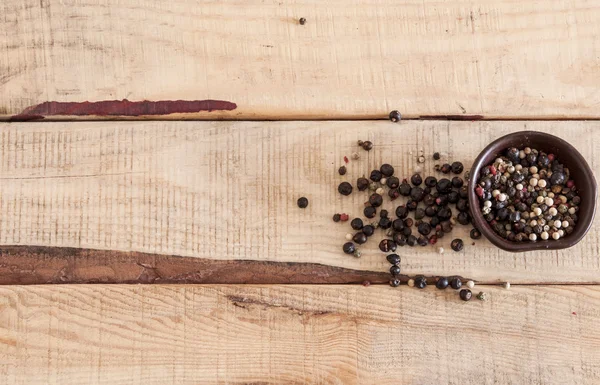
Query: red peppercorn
x,y
344,217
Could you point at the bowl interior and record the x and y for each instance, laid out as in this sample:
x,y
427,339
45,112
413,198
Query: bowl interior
x,y
580,172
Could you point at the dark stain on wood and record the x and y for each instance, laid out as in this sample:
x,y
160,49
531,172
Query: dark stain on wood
x,y
246,302
27,265
451,117
25,118
122,108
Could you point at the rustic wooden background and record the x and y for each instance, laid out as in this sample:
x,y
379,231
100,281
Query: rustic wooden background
x,y
116,169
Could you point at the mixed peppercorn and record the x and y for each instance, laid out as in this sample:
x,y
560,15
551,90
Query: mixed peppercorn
x,y
527,195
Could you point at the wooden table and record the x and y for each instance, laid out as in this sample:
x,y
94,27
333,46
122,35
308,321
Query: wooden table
x,y
166,143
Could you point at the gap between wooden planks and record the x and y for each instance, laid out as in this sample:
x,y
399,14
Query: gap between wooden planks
x,y
352,59
228,191
106,334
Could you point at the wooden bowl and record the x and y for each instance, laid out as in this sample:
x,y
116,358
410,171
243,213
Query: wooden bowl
x,y
580,172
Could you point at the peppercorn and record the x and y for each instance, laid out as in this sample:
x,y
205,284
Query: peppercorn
x,y
367,145
336,217
457,167
442,283
419,213
360,238
392,182
404,189
475,234
411,240
375,200
444,213
395,270
344,217
302,202
387,245
457,182
457,244
423,241
465,294
387,169
394,259
349,248
417,194
376,175
430,181
368,230
401,212
385,223
420,282
395,116
445,168
424,228
416,180
356,224
455,283
411,205
394,282
406,231
345,188
362,184
408,222
434,222
342,170
302,21
444,186
463,218
370,211
436,156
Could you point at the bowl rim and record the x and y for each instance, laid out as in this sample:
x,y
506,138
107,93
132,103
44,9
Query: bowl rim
x,y
482,225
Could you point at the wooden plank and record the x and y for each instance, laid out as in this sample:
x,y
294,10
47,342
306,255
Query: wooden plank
x,y
228,191
106,334
352,59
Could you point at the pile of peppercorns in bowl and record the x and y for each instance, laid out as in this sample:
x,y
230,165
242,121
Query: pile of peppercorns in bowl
x,y
530,191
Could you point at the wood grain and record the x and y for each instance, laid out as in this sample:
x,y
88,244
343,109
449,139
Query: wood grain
x,y
228,191
106,334
352,59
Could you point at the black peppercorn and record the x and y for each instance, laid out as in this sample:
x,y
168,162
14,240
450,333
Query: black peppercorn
x,y
462,205
434,222
394,282
349,248
446,226
401,212
463,218
455,283
404,189
416,180
411,205
408,222
419,213
376,175
442,283
457,167
445,213
513,154
446,168
370,211
362,184
393,193
356,224
367,145
392,182
531,158
302,21
475,234
422,241
337,217
406,231
368,230
457,182
383,214
464,192
444,186
398,225
424,228
411,240
431,210
442,200
394,259
417,194
428,200
465,294
395,270
375,200
342,170
558,178
385,223
457,244
395,116
387,245
420,282
302,202
387,169
514,216
399,238
436,156
453,197
360,238
345,188
542,160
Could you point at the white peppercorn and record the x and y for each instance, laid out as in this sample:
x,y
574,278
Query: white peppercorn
x,y
556,235
532,237
542,183
565,224
411,282
544,235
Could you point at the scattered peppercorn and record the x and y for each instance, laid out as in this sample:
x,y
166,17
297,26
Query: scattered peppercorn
x,y
337,217
446,168
360,238
416,180
442,283
394,282
376,175
345,188
455,283
392,182
395,116
457,167
367,145
482,296
387,245
349,248
302,21
344,217
422,241
342,170
457,244
362,184
436,156
465,294
302,202
370,211
395,270
356,224
387,169
368,230
394,259
420,282
375,200
475,234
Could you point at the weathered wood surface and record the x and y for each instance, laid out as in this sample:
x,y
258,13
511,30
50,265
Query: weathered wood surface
x,y
352,59
228,191
107,334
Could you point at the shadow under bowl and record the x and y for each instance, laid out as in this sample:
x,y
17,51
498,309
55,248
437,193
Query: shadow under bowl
x,y
579,170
